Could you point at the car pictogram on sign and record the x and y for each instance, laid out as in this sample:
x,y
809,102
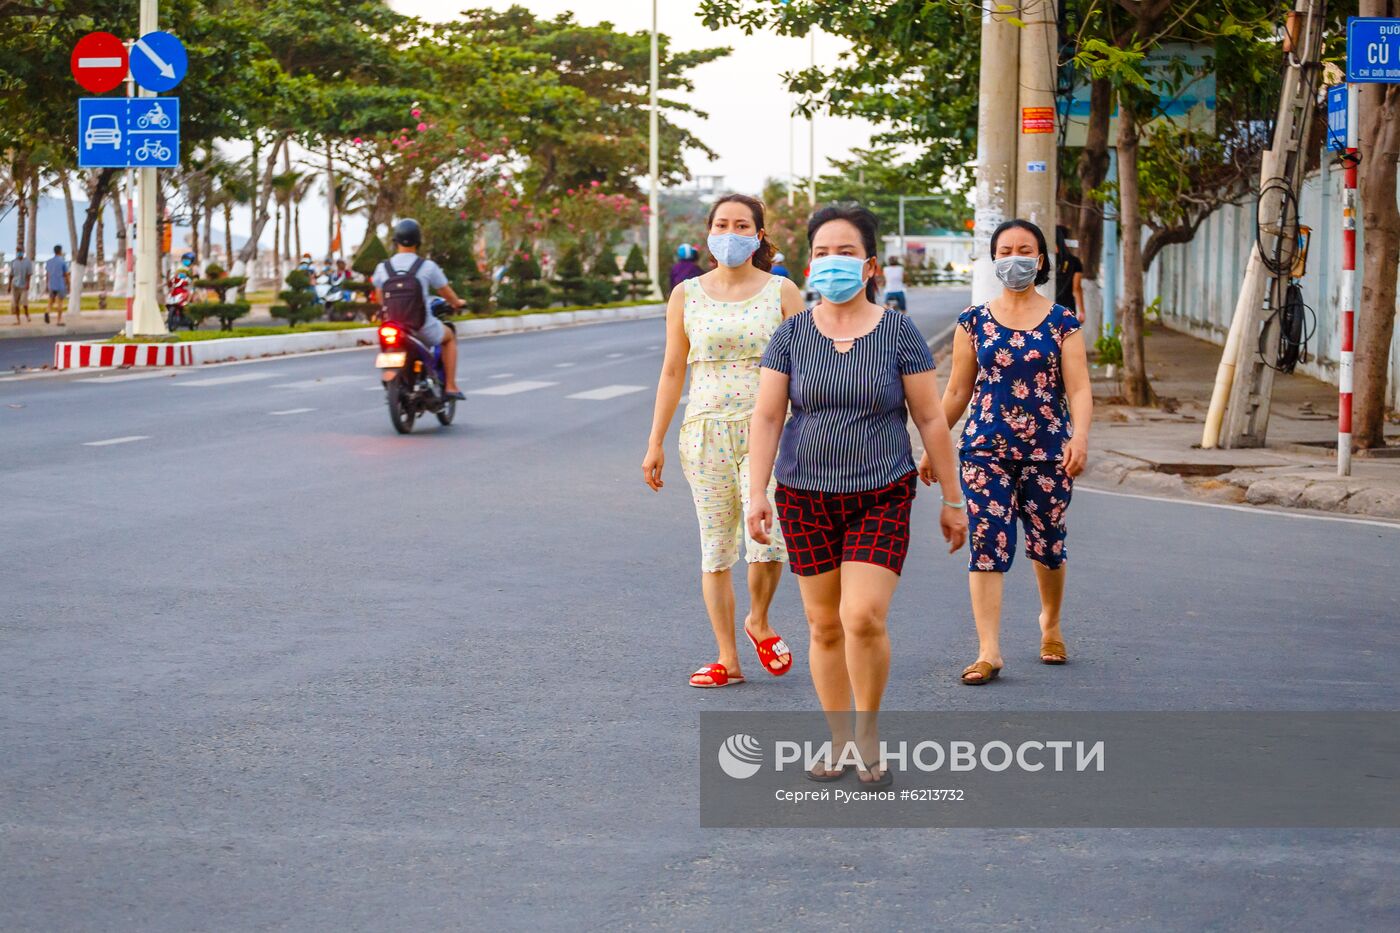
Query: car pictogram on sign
x,y
102,130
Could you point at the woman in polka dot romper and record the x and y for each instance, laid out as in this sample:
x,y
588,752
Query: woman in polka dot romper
x,y
719,325
1020,360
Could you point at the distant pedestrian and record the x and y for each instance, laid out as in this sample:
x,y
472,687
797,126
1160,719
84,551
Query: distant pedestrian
x,y
1069,275
685,266
719,324
21,271
780,266
1023,366
56,269
894,285
853,372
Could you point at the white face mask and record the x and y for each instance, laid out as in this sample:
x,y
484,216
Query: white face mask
x,y
1017,272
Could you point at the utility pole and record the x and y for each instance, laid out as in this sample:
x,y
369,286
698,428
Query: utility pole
x,y
1036,169
146,317
654,220
1239,406
997,100
812,139
1347,299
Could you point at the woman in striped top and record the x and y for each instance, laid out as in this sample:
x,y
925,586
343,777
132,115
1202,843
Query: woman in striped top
x,y
853,373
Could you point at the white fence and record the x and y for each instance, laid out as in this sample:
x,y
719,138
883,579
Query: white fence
x,y
1199,281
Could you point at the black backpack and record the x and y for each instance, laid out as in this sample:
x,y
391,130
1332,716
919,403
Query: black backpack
x,y
401,296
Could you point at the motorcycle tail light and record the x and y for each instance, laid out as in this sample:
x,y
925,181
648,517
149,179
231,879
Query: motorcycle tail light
x,y
389,336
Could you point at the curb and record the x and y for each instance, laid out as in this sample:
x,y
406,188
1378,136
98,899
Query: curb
x,y
1345,497
99,355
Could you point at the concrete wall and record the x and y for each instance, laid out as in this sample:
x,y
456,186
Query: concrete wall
x,y
1198,281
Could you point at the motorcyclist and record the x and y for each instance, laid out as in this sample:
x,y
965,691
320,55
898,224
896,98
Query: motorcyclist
x,y
180,289
685,266
408,237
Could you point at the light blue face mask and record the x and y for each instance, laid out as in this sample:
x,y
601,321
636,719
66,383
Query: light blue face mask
x,y
837,278
732,249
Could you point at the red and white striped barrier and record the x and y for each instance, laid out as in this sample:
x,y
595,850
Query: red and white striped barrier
x,y
106,355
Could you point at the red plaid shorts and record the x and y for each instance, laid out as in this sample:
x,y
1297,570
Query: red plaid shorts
x,y
825,529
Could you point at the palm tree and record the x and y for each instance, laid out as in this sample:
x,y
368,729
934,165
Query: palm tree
x,y
235,188
283,185
299,192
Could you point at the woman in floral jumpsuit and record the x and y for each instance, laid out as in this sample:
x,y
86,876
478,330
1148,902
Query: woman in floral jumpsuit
x,y
1020,360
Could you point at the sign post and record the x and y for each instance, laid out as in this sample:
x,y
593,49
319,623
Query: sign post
x,y
1373,57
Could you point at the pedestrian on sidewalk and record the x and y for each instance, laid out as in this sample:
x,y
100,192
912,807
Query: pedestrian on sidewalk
x,y
1069,275
719,324
56,269
1023,366
853,373
21,270
894,285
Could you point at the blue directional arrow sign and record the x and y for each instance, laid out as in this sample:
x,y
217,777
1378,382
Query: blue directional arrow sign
x,y
128,132
158,61
1373,50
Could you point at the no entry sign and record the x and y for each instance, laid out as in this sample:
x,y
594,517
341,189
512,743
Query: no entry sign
x,y
99,62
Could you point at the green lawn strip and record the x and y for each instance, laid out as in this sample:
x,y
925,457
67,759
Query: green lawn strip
x,y
186,336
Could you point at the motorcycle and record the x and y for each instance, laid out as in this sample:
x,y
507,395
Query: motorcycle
x,y
178,296
414,378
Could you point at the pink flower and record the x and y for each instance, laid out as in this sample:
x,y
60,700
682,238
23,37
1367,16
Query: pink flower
x,y
461,215
595,183
571,191
416,112
555,211
422,127
358,141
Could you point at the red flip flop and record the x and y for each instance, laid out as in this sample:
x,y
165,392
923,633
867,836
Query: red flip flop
x,y
718,674
769,651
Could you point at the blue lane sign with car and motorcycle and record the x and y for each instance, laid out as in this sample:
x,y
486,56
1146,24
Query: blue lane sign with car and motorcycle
x,y
128,132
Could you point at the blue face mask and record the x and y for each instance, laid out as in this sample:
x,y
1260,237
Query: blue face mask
x,y
837,278
732,249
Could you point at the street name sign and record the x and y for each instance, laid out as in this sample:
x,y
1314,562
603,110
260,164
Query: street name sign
x,y
99,62
128,132
1373,50
158,61
1337,117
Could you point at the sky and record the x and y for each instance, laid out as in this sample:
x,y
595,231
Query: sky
x,y
743,92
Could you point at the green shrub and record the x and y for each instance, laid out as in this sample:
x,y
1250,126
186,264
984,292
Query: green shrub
x,y
638,284
370,255
1109,348
522,287
226,311
569,281
298,300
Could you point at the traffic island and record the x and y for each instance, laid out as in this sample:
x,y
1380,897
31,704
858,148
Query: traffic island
x,y
192,348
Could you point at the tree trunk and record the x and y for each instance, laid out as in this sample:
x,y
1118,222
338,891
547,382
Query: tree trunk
x,y
262,188
32,225
208,234
277,242
254,201
96,196
287,212
1375,324
1136,388
21,175
296,226
330,201
121,242
228,235
1093,169
101,249
68,207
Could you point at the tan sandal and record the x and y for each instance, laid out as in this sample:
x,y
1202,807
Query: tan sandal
x,y
1056,650
984,669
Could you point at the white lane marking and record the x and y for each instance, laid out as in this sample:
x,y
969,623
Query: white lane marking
x,y
514,388
46,374
616,356
655,346
317,383
564,365
607,392
224,380
501,376
129,377
291,411
378,388
1250,509
118,440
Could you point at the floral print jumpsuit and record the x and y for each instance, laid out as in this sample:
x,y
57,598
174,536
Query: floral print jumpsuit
x,y
1012,444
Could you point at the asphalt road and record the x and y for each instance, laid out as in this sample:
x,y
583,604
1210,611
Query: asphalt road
x,y
21,353
266,665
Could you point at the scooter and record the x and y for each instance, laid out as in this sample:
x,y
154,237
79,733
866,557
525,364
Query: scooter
x,y
178,296
414,378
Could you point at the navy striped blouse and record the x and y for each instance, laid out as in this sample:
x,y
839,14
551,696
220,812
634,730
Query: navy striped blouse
x,y
848,431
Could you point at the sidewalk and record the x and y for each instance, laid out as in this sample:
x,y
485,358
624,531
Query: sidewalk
x,y
1157,450
100,323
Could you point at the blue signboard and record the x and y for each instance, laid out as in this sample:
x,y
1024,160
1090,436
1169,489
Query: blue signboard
x,y
1373,50
128,132
1337,117
158,61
